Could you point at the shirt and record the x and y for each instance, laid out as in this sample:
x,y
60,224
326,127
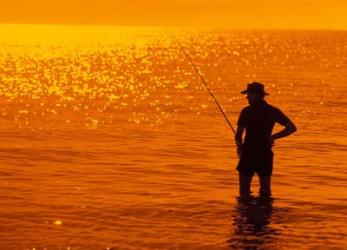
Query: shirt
x,y
259,119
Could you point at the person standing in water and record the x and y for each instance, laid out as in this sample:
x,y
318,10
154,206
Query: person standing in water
x,y
255,152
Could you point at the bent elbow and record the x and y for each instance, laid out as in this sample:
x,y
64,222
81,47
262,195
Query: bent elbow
x,y
294,129
290,127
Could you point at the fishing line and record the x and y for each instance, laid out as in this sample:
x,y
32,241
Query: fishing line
x,y
204,82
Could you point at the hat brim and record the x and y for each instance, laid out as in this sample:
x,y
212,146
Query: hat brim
x,y
246,92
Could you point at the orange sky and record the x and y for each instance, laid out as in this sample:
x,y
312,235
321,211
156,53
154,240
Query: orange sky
x,y
302,14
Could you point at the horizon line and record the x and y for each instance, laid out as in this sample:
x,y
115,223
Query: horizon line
x,y
178,26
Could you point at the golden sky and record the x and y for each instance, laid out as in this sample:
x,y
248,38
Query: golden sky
x,y
297,14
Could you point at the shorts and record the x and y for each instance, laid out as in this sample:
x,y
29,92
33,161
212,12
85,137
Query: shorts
x,y
260,162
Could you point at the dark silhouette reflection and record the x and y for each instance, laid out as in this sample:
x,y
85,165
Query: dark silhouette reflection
x,y
252,224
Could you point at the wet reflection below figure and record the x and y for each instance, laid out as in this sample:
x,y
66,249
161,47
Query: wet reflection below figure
x,y
252,224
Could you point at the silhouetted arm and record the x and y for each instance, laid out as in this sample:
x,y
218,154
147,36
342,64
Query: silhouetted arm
x,y
289,128
238,139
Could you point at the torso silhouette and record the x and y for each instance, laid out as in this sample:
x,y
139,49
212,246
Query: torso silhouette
x,y
259,119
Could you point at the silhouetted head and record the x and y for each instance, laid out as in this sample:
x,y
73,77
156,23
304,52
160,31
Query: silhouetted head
x,y
255,91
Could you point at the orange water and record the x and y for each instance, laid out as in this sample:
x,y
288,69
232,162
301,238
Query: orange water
x,y
109,139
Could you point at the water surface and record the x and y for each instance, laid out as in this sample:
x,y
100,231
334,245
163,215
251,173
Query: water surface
x,y
109,139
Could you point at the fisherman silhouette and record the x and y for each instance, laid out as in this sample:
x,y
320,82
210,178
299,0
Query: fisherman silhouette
x,y
255,151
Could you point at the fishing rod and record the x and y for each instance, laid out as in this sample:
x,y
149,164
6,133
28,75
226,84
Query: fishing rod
x,y
204,82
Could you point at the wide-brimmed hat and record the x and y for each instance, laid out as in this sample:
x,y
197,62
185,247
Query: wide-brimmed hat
x,y
254,87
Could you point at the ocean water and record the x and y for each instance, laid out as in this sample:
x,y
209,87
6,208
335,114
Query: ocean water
x,y
109,140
